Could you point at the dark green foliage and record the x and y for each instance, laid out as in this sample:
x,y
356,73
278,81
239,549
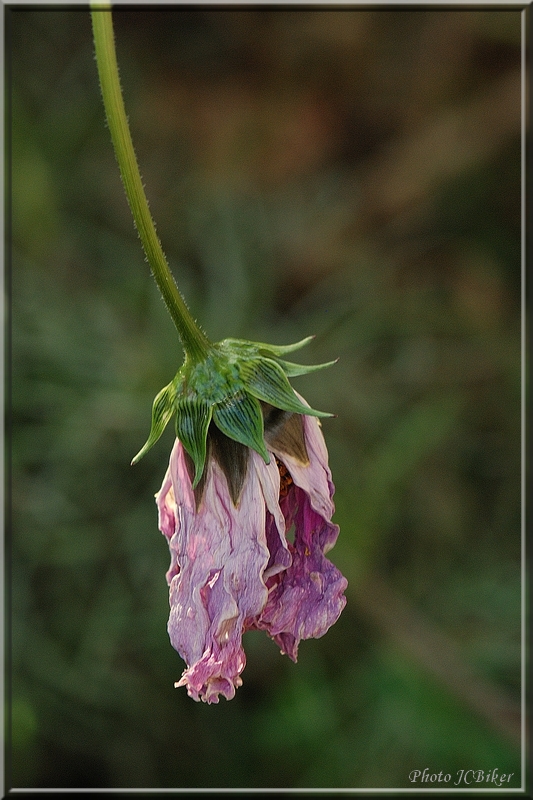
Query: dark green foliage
x,y
351,174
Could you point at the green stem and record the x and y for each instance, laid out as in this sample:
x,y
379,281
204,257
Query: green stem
x,y
194,341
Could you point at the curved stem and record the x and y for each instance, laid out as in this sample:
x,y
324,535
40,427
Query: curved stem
x,y
193,339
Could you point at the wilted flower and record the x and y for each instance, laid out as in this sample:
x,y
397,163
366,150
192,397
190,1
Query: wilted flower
x,y
229,501
249,464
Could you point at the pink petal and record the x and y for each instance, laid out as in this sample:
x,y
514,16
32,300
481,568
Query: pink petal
x,y
167,512
231,567
221,555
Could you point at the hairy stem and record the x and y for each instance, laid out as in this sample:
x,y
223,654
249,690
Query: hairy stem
x,y
193,339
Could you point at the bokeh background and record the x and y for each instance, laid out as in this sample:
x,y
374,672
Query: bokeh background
x,y
353,174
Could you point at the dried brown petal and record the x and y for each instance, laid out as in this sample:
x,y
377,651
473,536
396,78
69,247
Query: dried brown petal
x,y
232,457
284,432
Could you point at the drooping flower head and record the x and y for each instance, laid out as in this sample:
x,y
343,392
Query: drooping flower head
x,y
248,467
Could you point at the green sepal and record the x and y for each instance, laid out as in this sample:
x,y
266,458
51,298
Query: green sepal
x,y
292,370
250,348
281,349
265,379
240,418
192,421
226,386
162,409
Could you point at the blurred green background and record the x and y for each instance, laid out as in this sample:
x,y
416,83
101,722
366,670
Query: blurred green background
x,y
350,174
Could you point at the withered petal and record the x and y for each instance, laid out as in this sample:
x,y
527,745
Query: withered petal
x,y
232,457
191,469
284,432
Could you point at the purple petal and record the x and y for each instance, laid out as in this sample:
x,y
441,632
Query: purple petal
x,y
315,477
307,598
